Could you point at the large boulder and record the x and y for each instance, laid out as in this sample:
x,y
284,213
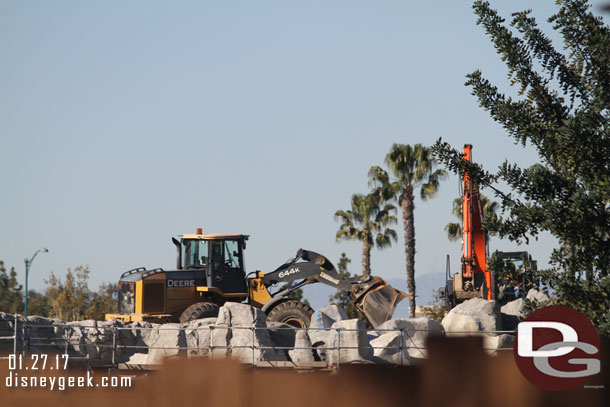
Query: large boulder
x,y
349,343
88,341
319,328
198,336
536,295
302,351
499,343
164,341
132,340
44,336
7,329
389,347
241,332
327,316
415,332
283,335
511,314
473,315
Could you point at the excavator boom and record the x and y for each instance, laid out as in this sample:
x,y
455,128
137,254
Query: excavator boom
x,y
474,258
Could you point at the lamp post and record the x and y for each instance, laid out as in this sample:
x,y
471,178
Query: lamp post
x,y
28,263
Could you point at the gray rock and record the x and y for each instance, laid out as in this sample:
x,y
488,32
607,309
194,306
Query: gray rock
x,y
41,329
389,347
138,359
198,335
36,320
302,351
88,323
493,344
141,330
236,334
511,314
282,334
417,341
319,329
165,341
372,334
474,315
327,316
90,340
7,324
349,343
415,333
535,295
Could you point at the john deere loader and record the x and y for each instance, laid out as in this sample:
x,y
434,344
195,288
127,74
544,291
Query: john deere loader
x,y
210,271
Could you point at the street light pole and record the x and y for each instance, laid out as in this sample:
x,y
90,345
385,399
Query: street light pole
x,y
28,263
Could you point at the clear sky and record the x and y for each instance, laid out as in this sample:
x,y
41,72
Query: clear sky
x,y
124,123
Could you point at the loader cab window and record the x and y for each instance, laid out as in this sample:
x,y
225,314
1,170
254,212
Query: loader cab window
x,y
225,255
227,266
195,253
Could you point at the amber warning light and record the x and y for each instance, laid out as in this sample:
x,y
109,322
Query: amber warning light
x,y
199,231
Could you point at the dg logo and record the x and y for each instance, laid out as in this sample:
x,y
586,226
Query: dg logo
x,y
557,348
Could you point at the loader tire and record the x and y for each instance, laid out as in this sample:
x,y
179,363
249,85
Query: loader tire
x,y
291,312
198,311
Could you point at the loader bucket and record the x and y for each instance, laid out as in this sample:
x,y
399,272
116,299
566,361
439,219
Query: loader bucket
x,y
379,303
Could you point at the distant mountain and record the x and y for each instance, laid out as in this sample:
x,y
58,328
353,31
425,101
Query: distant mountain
x,y
425,285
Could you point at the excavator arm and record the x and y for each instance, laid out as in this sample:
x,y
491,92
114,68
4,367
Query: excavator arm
x,y
371,295
475,279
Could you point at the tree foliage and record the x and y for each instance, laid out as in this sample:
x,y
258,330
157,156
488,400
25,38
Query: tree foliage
x,y
454,229
38,304
410,167
68,300
562,110
367,221
11,295
71,300
104,301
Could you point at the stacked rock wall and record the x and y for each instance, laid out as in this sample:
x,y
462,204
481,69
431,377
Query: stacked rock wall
x,y
242,332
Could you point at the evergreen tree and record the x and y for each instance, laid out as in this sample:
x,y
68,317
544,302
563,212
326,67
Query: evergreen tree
x,y
69,299
562,111
38,304
11,295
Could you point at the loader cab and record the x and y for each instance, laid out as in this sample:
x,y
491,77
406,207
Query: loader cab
x,y
218,257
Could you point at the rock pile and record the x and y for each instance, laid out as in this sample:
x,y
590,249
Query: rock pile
x,y
243,332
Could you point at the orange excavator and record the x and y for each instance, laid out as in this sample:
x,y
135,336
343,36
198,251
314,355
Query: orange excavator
x,y
475,279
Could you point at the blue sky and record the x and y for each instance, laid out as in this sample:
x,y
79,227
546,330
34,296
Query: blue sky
x,y
125,123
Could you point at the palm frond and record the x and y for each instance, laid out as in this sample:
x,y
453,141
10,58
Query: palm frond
x,y
457,207
345,216
454,231
385,239
378,176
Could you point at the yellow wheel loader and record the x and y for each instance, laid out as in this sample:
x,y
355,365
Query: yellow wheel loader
x,y
210,271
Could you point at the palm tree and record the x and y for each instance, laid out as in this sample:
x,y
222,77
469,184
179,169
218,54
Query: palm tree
x,y
410,167
367,222
454,230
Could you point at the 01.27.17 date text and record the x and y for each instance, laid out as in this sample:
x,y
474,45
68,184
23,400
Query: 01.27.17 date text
x,y
37,362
